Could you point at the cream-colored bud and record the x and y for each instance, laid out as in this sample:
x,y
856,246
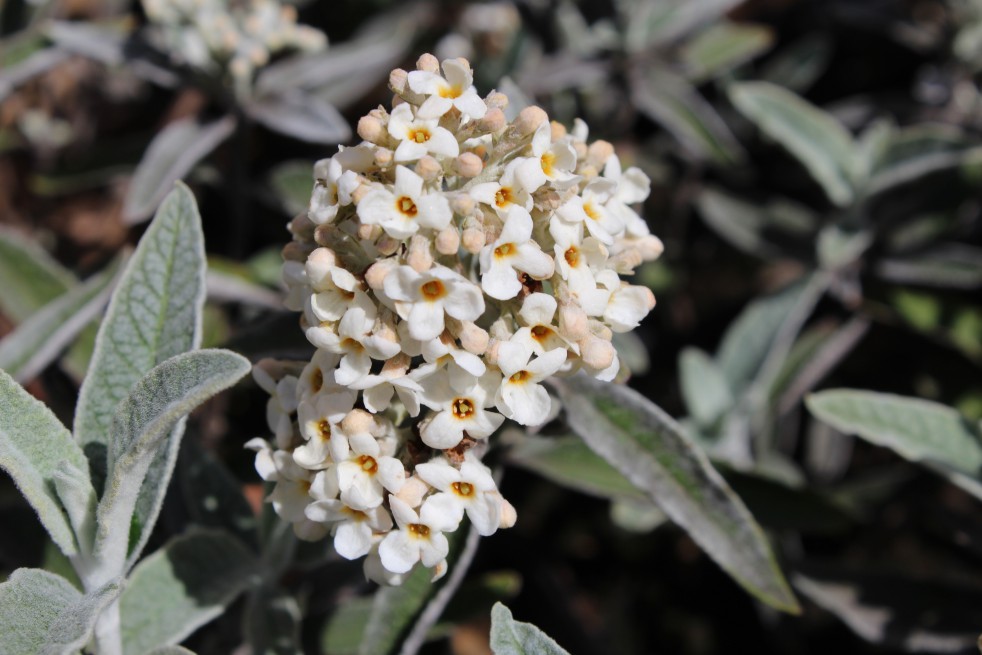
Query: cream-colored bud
x,y
473,240
377,272
649,298
412,491
302,226
295,252
651,247
493,121
428,63
324,234
419,256
371,129
558,130
468,164
599,152
573,323
368,232
626,261
529,120
358,421
496,100
398,80
360,193
492,352
385,331
319,264
473,339
462,204
383,157
428,168
596,353
600,330
448,241
508,514
580,148
387,245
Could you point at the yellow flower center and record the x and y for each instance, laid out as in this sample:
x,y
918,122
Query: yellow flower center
x,y
324,429
505,250
503,197
450,91
407,206
591,211
465,489
418,530
433,290
419,135
520,378
368,464
572,256
462,408
548,161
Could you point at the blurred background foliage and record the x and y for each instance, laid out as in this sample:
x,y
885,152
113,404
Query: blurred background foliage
x,y
817,180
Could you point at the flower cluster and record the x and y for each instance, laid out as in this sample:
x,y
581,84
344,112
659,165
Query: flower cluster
x,y
448,265
242,36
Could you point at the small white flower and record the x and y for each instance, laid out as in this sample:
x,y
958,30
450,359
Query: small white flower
x,y
354,530
404,210
419,537
318,419
394,378
589,209
423,299
365,474
628,303
281,405
537,314
462,366
514,252
504,193
419,136
550,162
459,410
520,396
470,489
456,90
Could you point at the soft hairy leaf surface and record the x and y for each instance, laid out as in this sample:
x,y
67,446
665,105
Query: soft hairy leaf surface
x,y
292,183
813,136
302,116
724,46
33,442
511,637
654,24
141,427
73,627
170,156
705,389
650,449
182,586
393,611
31,602
31,277
917,430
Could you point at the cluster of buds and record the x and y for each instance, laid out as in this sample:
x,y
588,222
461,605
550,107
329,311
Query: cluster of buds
x,y
448,265
238,36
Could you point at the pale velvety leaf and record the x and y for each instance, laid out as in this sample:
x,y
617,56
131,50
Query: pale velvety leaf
x,y
170,156
143,425
223,287
749,338
917,430
654,24
393,611
302,116
705,390
293,181
182,586
632,352
671,101
737,221
37,341
31,277
155,313
813,136
73,628
837,248
897,611
946,265
32,445
797,66
650,449
723,47
511,637
171,650
31,601
272,622
344,631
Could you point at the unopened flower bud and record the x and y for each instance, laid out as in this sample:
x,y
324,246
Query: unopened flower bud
x,y
462,204
428,63
448,241
596,353
295,252
598,153
376,273
626,261
358,421
371,129
428,168
496,100
651,247
558,130
473,240
580,148
492,352
383,157
388,245
473,339
398,80
360,193
494,120
319,264
412,491
368,232
508,514
529,120
573,321
468,164
419,256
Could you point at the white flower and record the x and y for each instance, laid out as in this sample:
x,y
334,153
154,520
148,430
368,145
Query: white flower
x,y
405,209
419,136
537,313
504,193
394,378
514,252
366,473
550,162
333,187
318,375
354,530
333,287
281,405
422,299
419,537
520,396
470,489
588,209
628,303
456,90
459,410
318,419
462,366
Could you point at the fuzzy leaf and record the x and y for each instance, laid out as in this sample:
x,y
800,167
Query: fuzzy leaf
x,y
32,445
917,430
31,602
31,277
393,611
946,265
511,637
724,46
182,586
141,426
650,449
73,627
813,136
800,64
169,157
657,24
171,650
302,116
37,341
292,181
705,389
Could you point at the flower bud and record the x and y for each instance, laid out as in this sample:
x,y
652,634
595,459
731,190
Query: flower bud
x,y
462,204
295,252
398,80
319,264
494,120
428,168
596,353
376,273
412,492
383,157
468,164
448,241
368,232
557,130
419,256
508,514
572,321
529,120
598,153
496,100
473,339
371,129
388,245
473,240
428,63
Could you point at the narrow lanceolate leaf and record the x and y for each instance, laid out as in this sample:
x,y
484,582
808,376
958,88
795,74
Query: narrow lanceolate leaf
x,y
705,390
73,627
31,278
33,443
723,47
813,136
917,430
141,427
29,349
155,313
393,611
511,637
182,586
171,155
31,601
303,116
650,449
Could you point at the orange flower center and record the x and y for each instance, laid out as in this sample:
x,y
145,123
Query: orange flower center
x,y
368,464
520,377
433,290
419,135
548,161
407,206
462,408
503,197
572,256
418,530
317,380
324,429
541,332
505,250
465,489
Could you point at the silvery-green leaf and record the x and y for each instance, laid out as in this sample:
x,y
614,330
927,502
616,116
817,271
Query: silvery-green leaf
x,y
837,248
141,426
301,115
671,101
511,637
33,65
919,167
31,601
705,390
946,265
393,611
344,630
918,430
73,628
293,181
33,443
650,449
169,157
31,277
654,24
272,622
749,226
182,586
723,47
101,42
750,337
632,352
896,610
78,497
222,287
639,516
800,64
171,650
812,135
153,314
37,341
